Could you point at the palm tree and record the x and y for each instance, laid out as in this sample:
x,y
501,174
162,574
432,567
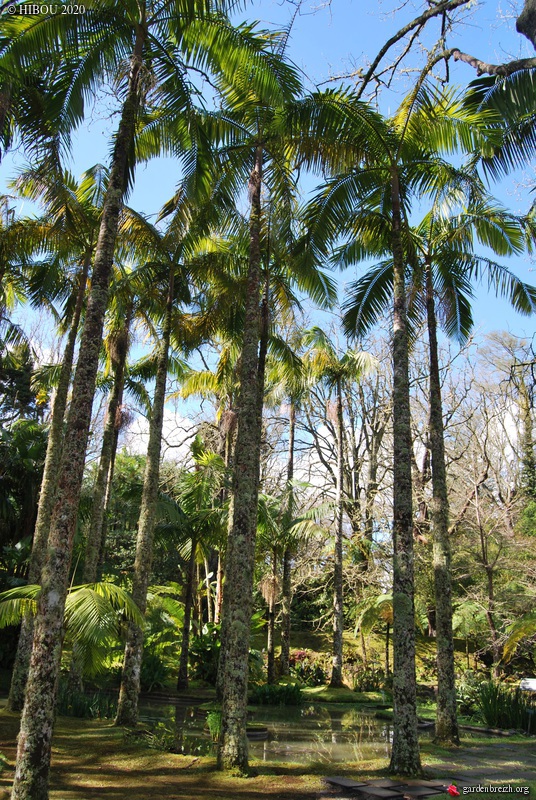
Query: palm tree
x,y
168,253
370,200
69,232
94,614
158,39
261,135
440,255
326,365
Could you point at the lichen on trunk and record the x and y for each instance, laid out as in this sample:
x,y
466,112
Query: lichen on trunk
x,y
446,730
405,759
238,587
338,618
21,665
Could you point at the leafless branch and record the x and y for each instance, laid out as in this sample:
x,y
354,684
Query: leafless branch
x,y
483,68
434,11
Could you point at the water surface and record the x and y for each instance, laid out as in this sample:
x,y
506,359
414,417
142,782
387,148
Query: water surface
x,y
312,732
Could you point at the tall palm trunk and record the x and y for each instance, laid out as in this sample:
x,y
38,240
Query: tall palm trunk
x,y
34,744
108,497
238,589
47,495
94,538
95,535
127,708
182,679
446,730
405,759
286,588
338,617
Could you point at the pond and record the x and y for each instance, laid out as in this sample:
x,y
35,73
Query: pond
x,y
309,733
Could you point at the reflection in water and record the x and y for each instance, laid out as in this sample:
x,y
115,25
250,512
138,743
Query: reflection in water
x,y
310,733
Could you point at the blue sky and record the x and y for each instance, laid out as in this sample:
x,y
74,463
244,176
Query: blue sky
x,y
331,39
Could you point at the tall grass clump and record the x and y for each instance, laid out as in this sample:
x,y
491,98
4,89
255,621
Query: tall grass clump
x,y
502,706
276,695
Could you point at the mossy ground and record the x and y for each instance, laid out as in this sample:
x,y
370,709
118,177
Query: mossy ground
x,y
92,759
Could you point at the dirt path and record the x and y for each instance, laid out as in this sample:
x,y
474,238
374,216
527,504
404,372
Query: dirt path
x,y
497,761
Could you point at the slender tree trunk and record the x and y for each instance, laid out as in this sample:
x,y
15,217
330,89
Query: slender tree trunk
x,y
405,759
210,616
387,664
182,678
370,498
286,588
94,539
198,598
363,648
108,498
238,589
338,615
127,707
219,592
495,645
47,495
528,460
270,646
446,729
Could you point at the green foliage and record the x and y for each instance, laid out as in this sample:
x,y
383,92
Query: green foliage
x,y
521,629
286,694
154,673
308,668
159,737
22,455
124,513
71,703
3,763
20,396
163,622
205,654
527,520
214,724
368,679
467,690
502,706
93,617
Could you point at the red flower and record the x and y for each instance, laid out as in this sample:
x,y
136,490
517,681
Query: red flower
x,y
452,790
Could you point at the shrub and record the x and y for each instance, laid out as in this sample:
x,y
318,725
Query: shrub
x,y
276,695
467,693
369,679
205,656
307,669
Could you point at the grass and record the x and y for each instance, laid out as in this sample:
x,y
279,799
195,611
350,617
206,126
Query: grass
x,y
91,758
324,694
